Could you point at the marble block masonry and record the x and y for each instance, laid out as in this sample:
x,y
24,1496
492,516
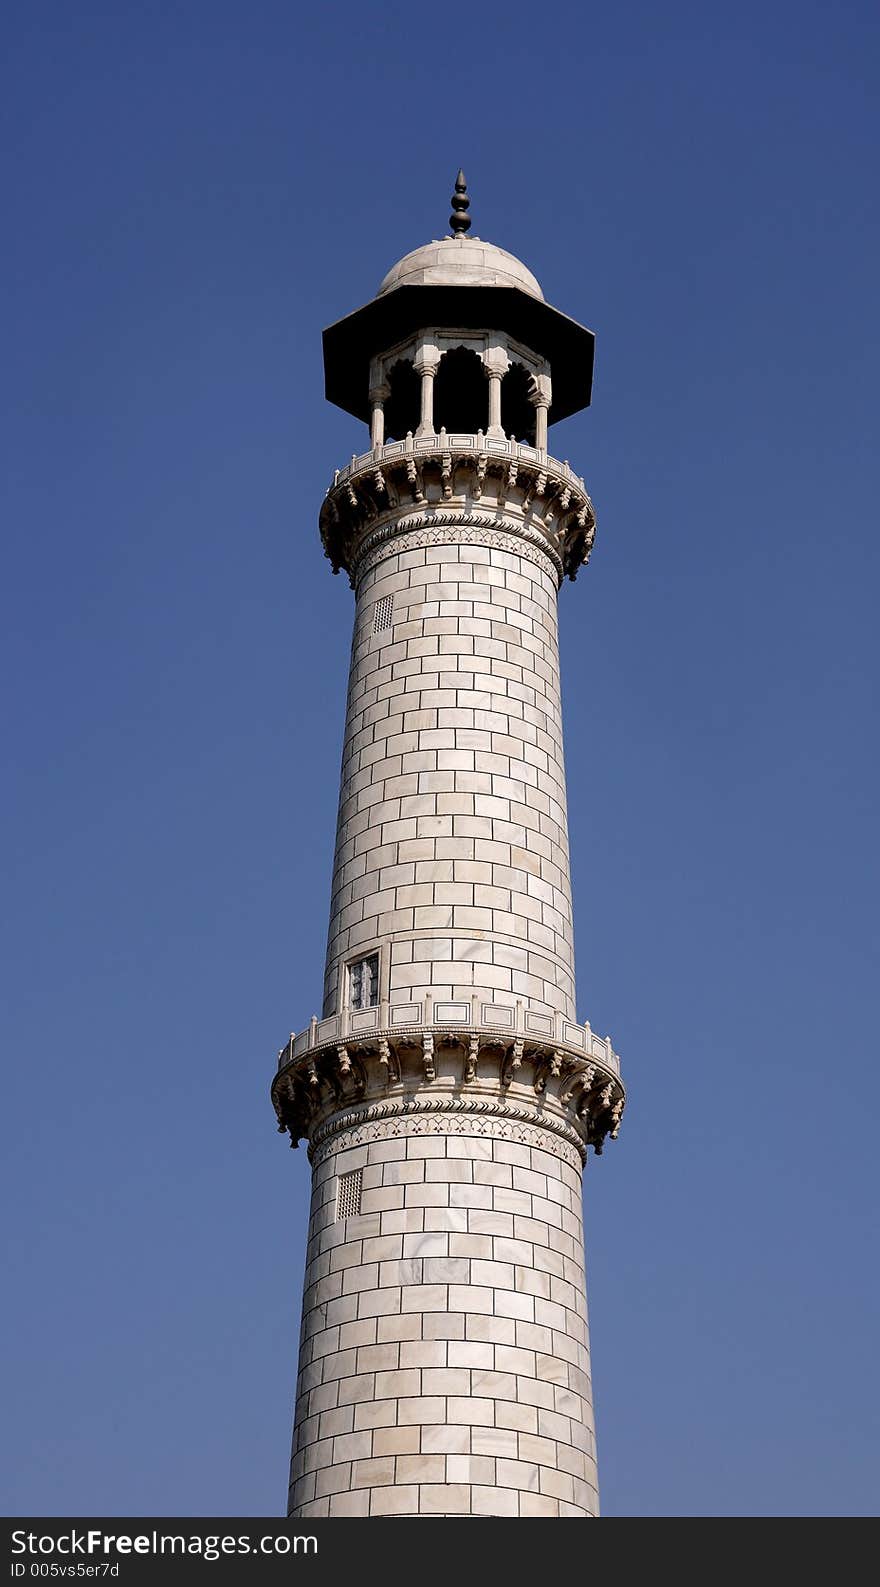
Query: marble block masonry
x,y
448,1094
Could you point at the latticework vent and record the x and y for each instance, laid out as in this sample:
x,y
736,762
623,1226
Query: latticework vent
x,y
363,982
348,1195
382,614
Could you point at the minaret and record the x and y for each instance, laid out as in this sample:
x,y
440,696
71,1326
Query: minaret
x,y
449,1094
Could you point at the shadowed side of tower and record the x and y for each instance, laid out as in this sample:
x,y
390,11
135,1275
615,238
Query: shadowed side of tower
x,y
448,1093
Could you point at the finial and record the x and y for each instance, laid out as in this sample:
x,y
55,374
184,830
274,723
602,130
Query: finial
x,y
460,220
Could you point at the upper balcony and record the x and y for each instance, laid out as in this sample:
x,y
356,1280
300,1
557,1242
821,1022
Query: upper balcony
x,y
440,477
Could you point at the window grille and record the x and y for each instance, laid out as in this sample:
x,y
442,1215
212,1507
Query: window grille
x,y
382,614
348,1195
363,982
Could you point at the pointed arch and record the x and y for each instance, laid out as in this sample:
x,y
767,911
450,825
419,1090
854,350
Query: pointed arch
x,y
517,404
402,406
461,392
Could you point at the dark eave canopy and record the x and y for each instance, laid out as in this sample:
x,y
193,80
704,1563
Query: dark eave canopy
x,y
350,344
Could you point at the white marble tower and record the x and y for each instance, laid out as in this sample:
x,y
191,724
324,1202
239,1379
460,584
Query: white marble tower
x,y
448,1093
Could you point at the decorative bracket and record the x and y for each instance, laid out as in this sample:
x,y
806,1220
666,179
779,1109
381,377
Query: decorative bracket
x,y
428,1056
512,1062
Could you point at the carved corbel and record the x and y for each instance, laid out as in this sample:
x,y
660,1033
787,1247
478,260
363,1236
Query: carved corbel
x,y
428,1056
480,476
358,1075
414,475
551,507
288,1108
389,1063
470,1064
578,1077
335,537
512,1062
446,475
567,1091
550,1069
579,540
508,480
344,1061
331,530
606,1119
279,1112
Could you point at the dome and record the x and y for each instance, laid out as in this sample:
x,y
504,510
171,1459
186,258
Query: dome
x,y
460,262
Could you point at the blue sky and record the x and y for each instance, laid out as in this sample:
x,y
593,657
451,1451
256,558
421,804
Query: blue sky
x,y
191,193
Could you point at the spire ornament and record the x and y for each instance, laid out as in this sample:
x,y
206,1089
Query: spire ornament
x,y
460,220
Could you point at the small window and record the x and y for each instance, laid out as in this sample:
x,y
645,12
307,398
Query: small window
x,y
363,982
348,1195
382,614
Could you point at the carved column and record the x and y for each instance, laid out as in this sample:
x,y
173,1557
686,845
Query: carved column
x,y
425,363
378,397
541,396
496,363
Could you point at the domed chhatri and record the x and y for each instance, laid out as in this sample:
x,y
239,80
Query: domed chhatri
x,y
464,282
